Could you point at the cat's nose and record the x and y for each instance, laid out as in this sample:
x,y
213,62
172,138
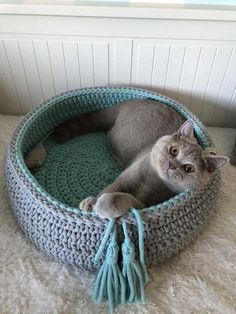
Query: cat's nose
x,y
171,165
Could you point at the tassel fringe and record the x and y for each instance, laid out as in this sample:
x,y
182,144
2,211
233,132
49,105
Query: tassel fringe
x,y
112,284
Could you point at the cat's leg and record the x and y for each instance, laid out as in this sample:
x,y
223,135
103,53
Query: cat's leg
x,y
96,121
111,205
116,198
88,203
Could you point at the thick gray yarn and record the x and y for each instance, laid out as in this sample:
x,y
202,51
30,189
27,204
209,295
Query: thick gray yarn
x,y
74,238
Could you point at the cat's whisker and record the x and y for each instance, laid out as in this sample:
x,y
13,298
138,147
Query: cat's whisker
x,y
177,176
163,158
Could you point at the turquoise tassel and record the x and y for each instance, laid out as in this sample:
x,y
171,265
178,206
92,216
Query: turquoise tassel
x,y
132,274
110,283
106,235
141,245
132,271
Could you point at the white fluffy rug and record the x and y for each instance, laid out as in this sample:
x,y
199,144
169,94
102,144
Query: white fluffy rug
x,y
202,279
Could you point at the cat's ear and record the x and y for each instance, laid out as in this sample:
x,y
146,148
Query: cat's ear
x,y
215,162
186,129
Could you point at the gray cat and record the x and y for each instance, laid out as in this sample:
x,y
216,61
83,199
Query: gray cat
x,y
157,149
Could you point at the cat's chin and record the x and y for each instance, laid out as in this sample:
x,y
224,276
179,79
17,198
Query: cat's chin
x,y
163,174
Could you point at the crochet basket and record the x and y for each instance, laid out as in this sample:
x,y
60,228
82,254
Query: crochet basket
x,y
45,203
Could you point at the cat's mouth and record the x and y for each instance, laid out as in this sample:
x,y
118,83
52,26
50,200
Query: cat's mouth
x,y
169,168
172,172
169,173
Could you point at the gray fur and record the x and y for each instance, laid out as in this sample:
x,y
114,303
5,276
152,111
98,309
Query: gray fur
x,y
141,135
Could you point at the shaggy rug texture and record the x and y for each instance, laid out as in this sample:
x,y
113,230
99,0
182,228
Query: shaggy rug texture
x,y
202,279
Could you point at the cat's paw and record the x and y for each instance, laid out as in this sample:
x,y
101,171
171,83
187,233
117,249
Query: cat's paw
x,y
110,205
87,204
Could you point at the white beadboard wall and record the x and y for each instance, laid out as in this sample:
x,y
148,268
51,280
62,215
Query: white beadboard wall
x,y
38,62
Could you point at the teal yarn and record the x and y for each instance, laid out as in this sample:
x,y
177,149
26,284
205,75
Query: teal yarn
x,y
132,271
140,241
106,235
80,167
110,283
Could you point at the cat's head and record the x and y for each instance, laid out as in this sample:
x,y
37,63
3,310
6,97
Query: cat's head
x,y
181,162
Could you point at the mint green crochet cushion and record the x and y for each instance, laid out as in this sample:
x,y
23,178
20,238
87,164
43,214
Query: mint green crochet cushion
x,y
76,169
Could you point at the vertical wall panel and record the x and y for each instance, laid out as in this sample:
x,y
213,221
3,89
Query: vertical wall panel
x,y
226,92
8,95
44,68
121,61
200,74
86,64
202,78
142,68
72,65
215,82
101,63
230,118
57,59
31,71
174,70
18,72
3,96
188,76
160,65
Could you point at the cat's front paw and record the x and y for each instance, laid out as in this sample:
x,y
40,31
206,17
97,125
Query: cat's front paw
x,y
110,205
87,204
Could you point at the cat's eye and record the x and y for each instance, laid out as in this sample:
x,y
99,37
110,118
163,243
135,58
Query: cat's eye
x,y
174,151
188,168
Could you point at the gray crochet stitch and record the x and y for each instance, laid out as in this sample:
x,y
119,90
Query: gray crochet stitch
x,y
74,237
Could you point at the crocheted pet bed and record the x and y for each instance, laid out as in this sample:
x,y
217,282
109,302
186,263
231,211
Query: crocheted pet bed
x,y
45,202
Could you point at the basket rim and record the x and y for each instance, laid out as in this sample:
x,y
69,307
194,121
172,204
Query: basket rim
x,y
35,188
